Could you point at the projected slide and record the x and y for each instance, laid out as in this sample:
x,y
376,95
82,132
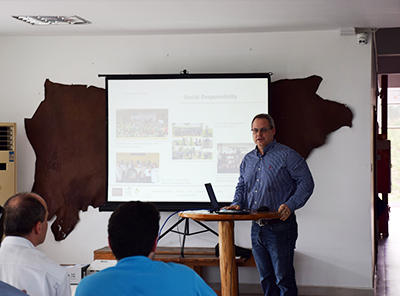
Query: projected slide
x,y
167,137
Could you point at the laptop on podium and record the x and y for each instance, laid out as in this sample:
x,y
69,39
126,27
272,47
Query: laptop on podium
x,y
215,206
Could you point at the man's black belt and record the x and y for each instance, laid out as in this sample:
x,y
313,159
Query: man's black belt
x,y
265,222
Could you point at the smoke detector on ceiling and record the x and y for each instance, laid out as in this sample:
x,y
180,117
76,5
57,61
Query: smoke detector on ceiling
x,y
52,20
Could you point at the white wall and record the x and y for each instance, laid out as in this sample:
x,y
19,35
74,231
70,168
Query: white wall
x,y
334,246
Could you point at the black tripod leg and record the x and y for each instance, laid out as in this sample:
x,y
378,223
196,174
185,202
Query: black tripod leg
x,y
185,232
172,227
206,227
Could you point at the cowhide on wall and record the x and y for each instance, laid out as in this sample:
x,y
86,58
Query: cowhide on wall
x,y
303,119
68,135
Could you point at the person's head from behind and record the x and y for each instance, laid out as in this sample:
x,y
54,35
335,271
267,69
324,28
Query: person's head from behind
x,y
133,229
25,215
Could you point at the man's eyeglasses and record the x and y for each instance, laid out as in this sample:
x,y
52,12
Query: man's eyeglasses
x,y
262,130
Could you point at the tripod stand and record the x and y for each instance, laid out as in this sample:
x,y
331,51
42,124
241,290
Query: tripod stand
x,y
186,231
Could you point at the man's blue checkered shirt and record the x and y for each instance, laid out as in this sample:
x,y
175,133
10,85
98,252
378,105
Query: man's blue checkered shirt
x,y
280,176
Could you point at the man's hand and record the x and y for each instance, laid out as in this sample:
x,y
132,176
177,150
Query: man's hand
x,y
234,207
284,211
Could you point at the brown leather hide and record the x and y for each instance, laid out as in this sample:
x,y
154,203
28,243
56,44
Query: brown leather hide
x,y
68,134
303,119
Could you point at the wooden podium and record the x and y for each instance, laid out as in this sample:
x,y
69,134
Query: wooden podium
x,y
227,262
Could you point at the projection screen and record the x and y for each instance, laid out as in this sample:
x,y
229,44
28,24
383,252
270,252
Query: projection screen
x,y
170,134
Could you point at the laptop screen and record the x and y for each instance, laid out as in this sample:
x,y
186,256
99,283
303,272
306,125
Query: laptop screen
x,y
211,195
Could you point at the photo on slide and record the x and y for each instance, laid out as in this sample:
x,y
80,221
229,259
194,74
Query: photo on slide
x,y
142,123
137,168
231,155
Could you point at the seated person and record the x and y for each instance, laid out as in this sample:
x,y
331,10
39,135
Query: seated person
x,y
132,234
8,290
21,264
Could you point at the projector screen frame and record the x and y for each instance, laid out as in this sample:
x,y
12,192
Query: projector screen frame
x,y
173,205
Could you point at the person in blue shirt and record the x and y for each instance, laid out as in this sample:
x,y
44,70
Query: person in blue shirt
x,y
275,177
132,233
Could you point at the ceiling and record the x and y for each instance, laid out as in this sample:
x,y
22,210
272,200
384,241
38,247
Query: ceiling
x,y
139,17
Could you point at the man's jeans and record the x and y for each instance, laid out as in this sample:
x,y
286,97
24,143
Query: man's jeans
x,y
273,251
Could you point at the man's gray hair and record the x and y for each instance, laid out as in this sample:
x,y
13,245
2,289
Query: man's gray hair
x,y
267,117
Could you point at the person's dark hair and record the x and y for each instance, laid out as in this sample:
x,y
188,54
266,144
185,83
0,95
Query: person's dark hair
x,y
133,229
22,212
265,116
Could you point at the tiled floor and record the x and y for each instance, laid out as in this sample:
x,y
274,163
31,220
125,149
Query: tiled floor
x,y
388,272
